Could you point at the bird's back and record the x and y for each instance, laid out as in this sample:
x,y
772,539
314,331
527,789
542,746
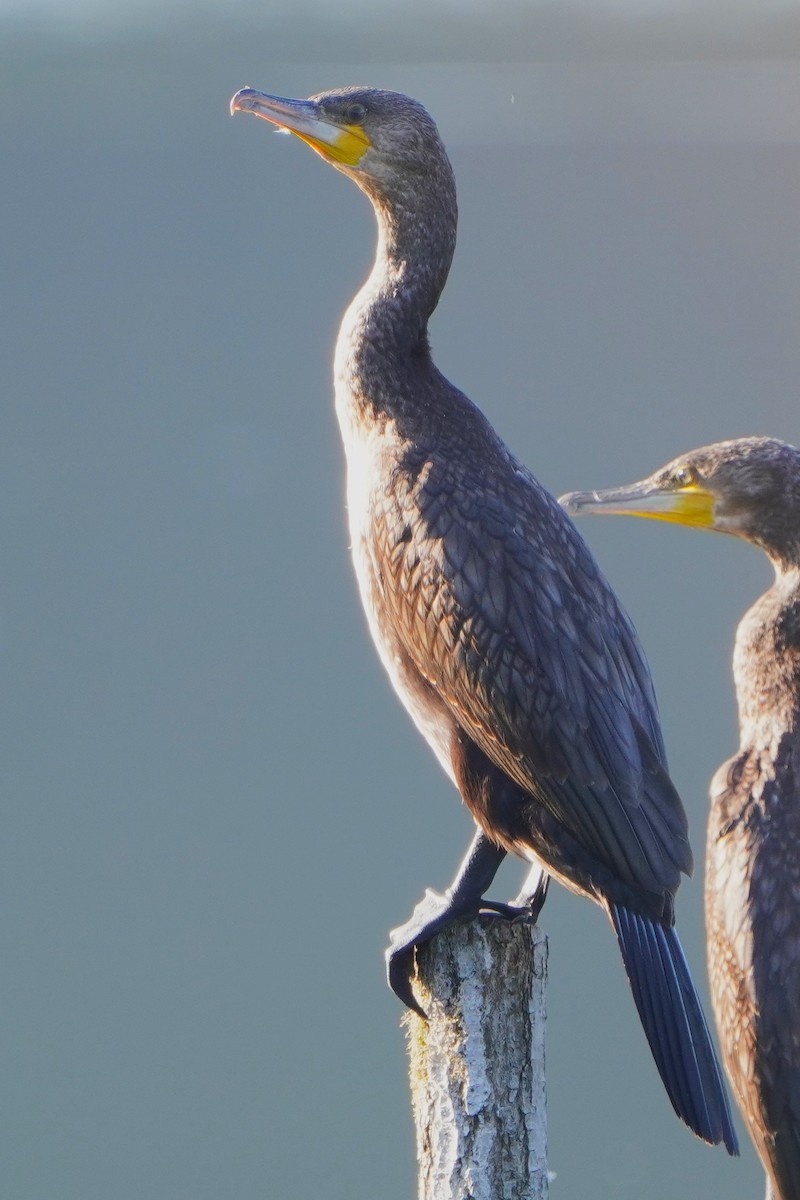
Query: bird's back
x,y
489,610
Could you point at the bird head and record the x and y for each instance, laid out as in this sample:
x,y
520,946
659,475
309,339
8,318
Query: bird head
x,y
376,137
749,487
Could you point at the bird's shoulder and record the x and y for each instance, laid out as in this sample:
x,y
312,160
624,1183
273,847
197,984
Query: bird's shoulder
x,y
478,545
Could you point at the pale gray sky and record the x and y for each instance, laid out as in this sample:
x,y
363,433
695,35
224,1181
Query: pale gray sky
x,y
646,28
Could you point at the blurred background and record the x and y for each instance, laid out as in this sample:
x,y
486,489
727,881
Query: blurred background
x,y
214,806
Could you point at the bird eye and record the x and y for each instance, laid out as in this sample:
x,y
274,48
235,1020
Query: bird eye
x,y
355,114
683,476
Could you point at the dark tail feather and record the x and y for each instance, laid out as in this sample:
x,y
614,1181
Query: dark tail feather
x,y
676,1029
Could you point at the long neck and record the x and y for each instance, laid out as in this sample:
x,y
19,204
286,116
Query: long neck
x,y
382,348
766,665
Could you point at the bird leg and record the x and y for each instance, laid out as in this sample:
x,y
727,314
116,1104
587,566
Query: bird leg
x,y
528,903
534,892
464,898
436,911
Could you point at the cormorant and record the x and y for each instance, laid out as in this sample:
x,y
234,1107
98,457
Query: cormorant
x,y
500,635
750,487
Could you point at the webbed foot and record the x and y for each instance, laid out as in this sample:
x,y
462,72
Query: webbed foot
x,y
464,898
434,912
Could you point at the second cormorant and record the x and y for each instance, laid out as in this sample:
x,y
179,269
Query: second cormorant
x,y
499,633
750,487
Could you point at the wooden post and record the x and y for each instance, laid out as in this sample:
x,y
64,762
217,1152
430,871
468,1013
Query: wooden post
x,y
477,1064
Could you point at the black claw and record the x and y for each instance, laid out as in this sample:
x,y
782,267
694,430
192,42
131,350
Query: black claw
x,y
399,972
433,913
517,914
496,908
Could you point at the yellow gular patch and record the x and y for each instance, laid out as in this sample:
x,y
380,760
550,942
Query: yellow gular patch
x,y
692,505
347,145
